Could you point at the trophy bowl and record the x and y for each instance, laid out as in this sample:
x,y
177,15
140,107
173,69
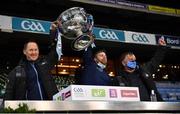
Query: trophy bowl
x,y
77,25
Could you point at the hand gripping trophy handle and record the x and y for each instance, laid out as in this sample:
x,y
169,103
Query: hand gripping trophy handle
x,y
77,25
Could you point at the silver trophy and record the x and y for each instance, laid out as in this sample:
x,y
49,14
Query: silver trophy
x,y
76,24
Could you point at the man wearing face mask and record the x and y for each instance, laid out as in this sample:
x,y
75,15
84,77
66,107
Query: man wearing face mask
x,y
93,73
133,75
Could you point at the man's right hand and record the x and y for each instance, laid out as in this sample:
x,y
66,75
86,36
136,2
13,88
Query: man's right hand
x,y
55,25
53,31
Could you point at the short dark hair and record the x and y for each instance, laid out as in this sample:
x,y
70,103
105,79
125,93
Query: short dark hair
x,y
122,57
97,50
28,41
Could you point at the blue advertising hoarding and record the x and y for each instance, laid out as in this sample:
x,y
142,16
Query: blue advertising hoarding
x,y
170,40
108,34
30,25
43,27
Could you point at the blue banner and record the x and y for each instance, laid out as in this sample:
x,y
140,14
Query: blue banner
x,y
108,34
170,40
30,25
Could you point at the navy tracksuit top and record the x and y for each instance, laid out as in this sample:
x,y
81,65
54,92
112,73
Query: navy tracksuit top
x,y
92,74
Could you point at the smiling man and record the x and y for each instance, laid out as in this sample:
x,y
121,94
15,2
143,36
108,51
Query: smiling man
x,y
30,79
31,50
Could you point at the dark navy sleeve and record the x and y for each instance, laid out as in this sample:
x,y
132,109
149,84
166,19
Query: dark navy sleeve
x,y
52,57
152,65
87,57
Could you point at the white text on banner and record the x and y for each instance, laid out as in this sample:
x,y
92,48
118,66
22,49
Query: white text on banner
x,y
140,38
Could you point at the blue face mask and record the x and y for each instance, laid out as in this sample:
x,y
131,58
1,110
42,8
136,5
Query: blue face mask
x,y
131,64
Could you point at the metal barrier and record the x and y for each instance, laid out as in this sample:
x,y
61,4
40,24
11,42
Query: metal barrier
x,y
98,106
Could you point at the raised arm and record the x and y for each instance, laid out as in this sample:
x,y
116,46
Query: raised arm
x,y
87,56
56,45
152,65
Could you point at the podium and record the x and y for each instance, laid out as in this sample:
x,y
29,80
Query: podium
x,y
98,99
99,106
97,93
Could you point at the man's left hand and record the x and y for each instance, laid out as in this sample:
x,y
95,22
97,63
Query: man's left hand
x,y
162,42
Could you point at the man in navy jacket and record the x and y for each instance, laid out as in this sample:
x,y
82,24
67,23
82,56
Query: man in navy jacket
x,y
93,73
30,79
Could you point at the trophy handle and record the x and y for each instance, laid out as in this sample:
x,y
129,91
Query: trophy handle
x,y
81,44
77,25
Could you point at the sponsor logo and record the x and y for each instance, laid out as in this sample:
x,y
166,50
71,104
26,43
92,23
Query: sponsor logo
x,y
79,92
32,25
67,94
129,93
98,92
170,40
113,93
77,89
107,34
173,41
140,38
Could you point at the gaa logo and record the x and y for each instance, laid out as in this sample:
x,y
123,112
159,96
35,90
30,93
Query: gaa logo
x,y
32,25
79,92
140,38
77,89
107,34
